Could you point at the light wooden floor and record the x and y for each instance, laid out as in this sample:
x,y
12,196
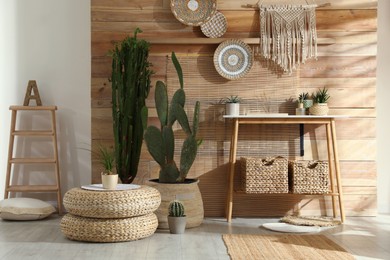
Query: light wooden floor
x,y
366,238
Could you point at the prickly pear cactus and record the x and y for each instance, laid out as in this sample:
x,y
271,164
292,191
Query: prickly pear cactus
x,y
161,142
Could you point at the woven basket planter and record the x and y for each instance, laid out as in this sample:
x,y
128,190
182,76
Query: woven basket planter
x,y
112,204
108,230
269,175
188,194
309,177
319,109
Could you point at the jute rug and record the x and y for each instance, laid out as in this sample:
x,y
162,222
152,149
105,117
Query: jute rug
x,y
301,247
310,221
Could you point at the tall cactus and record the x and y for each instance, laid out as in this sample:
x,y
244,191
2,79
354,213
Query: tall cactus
x,y
130,87
161,142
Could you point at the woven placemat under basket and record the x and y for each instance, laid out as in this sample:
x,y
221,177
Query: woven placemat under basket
x,y
310,177
112,204
269,175
108,230
311,221
215,27
233,59
193,12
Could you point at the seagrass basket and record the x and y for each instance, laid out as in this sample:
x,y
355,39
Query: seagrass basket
x,y
267,175
308,177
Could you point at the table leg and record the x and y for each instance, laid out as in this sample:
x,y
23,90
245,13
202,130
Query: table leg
x,y
337,166
330,163
232,161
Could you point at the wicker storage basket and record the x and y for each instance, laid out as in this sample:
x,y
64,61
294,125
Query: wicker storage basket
x,y
269,175
310,177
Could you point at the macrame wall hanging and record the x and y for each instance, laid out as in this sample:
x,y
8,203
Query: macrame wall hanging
x,y
288,34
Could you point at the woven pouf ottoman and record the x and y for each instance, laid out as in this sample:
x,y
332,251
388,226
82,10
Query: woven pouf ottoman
x,y
110,216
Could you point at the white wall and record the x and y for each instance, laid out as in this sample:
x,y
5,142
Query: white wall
x,y
383,96
49,41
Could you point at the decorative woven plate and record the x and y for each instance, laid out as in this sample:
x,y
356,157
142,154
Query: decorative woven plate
x,y
215,27
193,12
233,59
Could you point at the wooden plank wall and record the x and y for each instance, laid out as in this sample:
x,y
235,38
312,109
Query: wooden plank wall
x,y
347,67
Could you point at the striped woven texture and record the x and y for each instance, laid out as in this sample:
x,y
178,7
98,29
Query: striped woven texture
x,y
286,247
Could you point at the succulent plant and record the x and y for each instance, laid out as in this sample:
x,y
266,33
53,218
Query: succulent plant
x,y
130,87
161,142
176,209
321,96
232,99
303,96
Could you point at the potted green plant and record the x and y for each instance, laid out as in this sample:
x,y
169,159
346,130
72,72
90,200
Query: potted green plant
x,y
107,159
176,217
130,88
172,182
300,110
320,106
232,104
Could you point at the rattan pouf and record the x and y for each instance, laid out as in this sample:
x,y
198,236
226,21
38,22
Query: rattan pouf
x,y
112,204
108,230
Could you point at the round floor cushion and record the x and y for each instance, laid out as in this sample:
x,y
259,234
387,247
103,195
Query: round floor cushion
x,y
108,230
112,204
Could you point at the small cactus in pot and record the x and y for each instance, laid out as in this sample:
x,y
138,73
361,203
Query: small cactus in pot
x,y
176,217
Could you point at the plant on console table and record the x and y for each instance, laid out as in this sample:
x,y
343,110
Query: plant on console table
x,y
130,88
172,182
320,106
232,104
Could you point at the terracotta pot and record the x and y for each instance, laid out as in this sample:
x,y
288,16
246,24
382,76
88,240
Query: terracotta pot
x,y
187,193
109,181
177,225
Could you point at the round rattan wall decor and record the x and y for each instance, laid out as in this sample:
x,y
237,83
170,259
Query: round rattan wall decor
x,y
193,12
233,59
215,27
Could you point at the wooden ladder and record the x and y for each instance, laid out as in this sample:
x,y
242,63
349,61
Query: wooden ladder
x,y
53,160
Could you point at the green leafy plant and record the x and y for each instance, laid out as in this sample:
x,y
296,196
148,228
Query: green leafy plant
x,y
303,96
321,96
130,87
231,99
107,159
176,209
161,142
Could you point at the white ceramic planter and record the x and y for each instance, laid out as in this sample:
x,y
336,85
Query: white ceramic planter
x,y
109,181
232,109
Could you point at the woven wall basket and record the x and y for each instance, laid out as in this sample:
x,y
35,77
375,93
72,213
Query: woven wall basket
x,y
233,59
108,230
112,204
215,27
193,12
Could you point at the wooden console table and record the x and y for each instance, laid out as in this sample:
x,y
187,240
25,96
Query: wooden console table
x,y
328,121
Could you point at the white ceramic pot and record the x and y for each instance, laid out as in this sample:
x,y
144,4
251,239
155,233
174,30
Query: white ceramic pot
x,y
232,109
109,181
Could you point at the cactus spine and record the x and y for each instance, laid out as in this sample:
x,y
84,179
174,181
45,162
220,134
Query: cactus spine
x,y
161,142
130,87
176,209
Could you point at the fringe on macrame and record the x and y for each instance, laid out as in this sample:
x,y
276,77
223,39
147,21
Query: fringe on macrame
x,y
288,34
